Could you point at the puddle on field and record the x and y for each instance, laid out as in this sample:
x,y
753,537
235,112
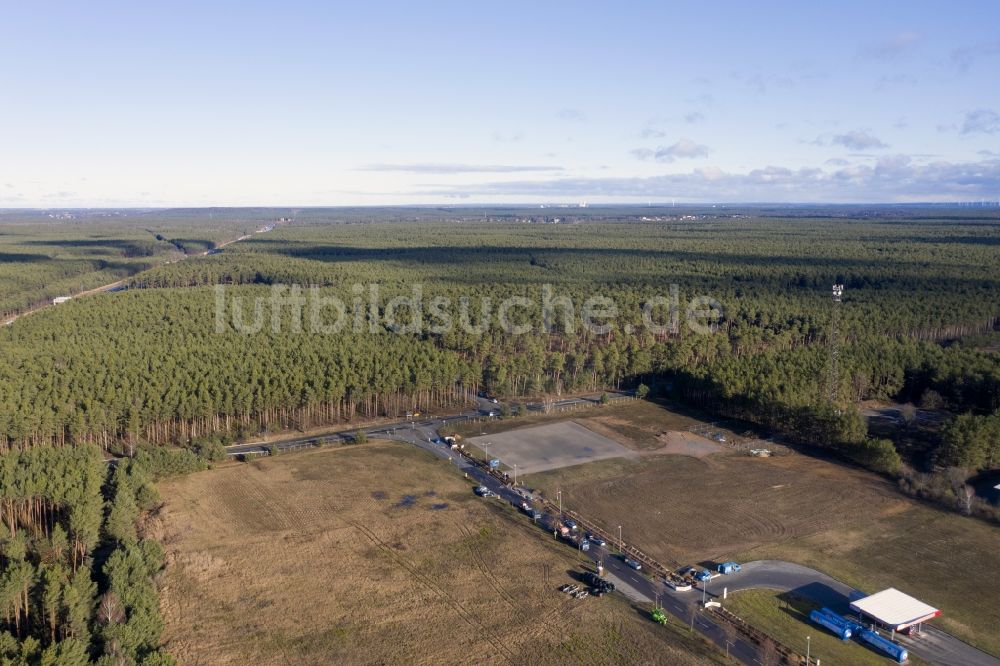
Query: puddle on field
x,y
439,507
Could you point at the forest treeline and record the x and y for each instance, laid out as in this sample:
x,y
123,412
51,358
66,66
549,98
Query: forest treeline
x,y
77,574
162,364
149,366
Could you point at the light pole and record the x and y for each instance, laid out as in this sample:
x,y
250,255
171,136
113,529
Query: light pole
x,y
621,544
486,449
807,650
559,495
515,474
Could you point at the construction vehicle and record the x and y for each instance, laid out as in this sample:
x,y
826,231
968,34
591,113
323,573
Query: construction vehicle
x,y
659,616
598,586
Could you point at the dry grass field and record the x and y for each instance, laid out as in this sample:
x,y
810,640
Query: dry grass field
x,y
379,554
689,509
850,523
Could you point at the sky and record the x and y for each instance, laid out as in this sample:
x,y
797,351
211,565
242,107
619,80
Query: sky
x,y
325,103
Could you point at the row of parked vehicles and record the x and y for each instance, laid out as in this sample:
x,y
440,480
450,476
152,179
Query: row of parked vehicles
x,y
704,575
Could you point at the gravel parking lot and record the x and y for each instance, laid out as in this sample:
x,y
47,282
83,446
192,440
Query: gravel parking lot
x,y
551,446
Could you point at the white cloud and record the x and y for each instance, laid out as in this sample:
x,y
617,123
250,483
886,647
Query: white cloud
x,y
981,120
892,178
501,137
891,48
857,140
683,149
458,168
570,114
965,57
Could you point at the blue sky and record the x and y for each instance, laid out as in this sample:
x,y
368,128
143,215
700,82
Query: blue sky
x,y
315,103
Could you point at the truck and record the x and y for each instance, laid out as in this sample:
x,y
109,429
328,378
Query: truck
x,y
836,624
897,652
677,585
728,568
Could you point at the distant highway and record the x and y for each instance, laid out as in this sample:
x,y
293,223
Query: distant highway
x,y
111,287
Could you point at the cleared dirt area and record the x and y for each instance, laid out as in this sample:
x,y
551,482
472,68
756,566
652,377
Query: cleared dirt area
x,y
379,554
687,444
550,446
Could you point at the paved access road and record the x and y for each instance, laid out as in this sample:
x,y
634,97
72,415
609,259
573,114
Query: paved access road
x,y
934,646
426,426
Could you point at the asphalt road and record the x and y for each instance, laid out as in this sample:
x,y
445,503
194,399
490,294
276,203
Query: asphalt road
x,y
934,646
427,426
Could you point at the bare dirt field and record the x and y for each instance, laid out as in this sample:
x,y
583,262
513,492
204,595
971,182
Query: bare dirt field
x,y
687,444
379,554
550,446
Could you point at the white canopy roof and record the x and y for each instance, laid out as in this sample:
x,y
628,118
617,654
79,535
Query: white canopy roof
x,y
894,608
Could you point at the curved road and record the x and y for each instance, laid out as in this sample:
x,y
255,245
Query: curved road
x,y
934,646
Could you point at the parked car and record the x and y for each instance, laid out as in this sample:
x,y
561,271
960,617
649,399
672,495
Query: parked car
x,y
633,564
703,575
719,437
729,568
596,540
570,524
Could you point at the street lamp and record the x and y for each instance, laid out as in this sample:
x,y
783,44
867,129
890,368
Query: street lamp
x,y
807,650
559,495
515,474
621,544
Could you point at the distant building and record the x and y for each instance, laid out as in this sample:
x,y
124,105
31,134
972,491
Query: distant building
x,y
60,299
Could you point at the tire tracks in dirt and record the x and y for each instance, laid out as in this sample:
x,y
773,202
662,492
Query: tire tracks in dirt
x,y
429,583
